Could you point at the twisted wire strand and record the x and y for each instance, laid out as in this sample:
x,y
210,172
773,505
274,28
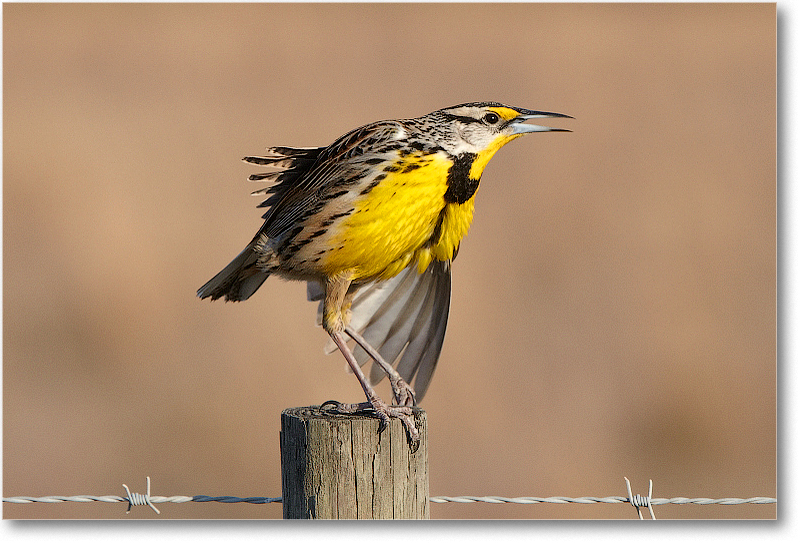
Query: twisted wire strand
x,y
234,499
609,499
86,498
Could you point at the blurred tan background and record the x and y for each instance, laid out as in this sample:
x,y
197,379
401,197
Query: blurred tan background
x,y
613,308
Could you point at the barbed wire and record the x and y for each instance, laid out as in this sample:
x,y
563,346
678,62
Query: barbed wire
x,y
434,499
636,500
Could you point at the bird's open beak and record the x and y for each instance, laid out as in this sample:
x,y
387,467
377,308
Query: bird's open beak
x,y
518,127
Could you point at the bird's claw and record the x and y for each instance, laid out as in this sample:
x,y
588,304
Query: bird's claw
x,y
404,395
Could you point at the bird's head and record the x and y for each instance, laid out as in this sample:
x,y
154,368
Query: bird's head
x,y
479,127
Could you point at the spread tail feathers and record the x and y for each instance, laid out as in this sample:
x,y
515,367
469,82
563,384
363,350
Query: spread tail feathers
x,y
238,280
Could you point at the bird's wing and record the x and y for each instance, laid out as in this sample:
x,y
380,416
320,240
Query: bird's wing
x,y
310,175
404,318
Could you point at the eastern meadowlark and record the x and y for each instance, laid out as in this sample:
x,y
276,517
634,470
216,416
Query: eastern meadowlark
x,y
372,222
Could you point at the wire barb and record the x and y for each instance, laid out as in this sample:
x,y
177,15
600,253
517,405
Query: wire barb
x,y
641,501
139,499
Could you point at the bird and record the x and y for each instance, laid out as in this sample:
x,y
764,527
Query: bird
x,y
372,223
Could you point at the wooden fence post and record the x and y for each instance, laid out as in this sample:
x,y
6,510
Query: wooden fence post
x,y
339,467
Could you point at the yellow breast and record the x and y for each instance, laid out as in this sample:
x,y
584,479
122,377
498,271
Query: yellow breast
x,y
393,224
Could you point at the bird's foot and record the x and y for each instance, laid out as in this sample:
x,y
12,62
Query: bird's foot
x,y
384,412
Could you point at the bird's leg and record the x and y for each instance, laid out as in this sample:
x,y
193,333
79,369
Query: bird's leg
x,y
333,323
403,393
385,412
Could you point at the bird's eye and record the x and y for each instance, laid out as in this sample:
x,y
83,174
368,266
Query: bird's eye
x,y
491,118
